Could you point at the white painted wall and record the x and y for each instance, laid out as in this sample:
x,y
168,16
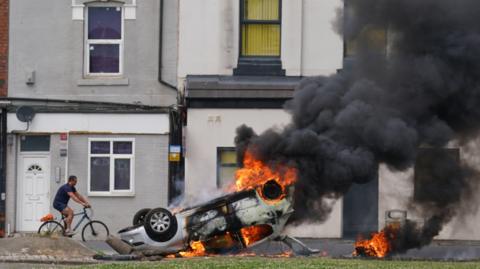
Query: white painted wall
x,y
209,37
212,128
396,191
89,122
322,47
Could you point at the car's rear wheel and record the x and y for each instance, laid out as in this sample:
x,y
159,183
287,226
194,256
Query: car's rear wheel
x,y
139,217
160,224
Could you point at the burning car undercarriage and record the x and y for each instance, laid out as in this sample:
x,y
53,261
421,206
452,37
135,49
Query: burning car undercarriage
x,y
257,211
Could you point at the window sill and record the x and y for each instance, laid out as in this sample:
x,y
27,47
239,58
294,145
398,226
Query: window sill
x,y
110,194
103,82
259,66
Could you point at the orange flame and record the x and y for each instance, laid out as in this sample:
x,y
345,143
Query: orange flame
x,y
196,249
255,233
255,173
380,243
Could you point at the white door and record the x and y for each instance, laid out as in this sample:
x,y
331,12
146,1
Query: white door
x,y
33,191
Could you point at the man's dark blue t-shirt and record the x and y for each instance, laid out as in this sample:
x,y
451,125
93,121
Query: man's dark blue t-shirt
x,y
62,197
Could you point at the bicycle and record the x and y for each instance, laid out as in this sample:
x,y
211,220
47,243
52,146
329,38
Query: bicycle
x,y
92,230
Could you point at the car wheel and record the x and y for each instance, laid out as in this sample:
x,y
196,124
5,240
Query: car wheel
x,y
139,217
160,224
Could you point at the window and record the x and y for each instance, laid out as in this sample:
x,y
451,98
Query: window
x,y
104,41
110,166
226,166
260,28
260,32
371,38
435,170
35,143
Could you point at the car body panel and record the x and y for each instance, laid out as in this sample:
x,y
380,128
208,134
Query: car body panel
x,y
222,223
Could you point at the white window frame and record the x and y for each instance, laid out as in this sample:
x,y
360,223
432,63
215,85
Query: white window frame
x,y
112,156
88,42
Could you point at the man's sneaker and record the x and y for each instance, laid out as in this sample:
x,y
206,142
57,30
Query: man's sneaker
x,y
69,233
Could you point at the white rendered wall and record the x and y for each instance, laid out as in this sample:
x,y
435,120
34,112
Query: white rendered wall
x,y
322,47
212,128
90,122
209,37
396,191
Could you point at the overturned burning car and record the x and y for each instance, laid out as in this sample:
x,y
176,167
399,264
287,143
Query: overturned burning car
x,y
257,210
229,223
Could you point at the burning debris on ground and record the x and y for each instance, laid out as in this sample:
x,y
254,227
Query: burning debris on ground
x,y
421,91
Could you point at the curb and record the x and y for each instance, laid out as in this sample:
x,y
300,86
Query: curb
x,y
44,259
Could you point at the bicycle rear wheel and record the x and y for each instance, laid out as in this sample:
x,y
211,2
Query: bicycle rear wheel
x,y
95,230
51,228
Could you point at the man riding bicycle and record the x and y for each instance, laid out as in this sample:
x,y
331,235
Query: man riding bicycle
x,y
60,203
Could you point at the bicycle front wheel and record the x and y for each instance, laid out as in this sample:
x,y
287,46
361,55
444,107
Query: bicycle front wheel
x,y
51,228
95,230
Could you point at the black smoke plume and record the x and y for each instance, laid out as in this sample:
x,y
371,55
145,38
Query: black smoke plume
x,y
421,90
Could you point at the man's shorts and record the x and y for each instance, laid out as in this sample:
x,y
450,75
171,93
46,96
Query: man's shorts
x,y
59,206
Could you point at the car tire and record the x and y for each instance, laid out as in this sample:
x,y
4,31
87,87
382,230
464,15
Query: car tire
x,y
139,217
160,224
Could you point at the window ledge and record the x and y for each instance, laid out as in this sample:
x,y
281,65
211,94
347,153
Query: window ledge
x,y
108,194
103,82
259,66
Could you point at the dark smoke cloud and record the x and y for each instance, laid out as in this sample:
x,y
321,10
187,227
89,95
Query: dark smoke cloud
x,y
423,91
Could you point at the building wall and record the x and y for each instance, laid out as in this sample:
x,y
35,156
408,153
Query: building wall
x,y
50,42
396,191
150,132
209,37
212,128
170,41
322,46
151,178
4,7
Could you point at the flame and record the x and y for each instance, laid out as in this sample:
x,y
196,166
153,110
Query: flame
x,y
255,173
255,233
380,243
196,249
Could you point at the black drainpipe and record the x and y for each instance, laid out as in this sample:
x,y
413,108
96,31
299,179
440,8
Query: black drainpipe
x,y
3,174
176,176
160,52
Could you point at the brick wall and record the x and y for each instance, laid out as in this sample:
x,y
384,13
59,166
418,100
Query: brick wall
x,y
3,47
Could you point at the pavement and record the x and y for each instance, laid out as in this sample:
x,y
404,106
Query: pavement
x,y
31,248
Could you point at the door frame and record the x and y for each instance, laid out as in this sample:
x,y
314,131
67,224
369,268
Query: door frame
x,y
20,179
